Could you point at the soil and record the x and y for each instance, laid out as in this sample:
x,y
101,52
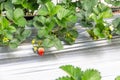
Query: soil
x,y
27,17
116,10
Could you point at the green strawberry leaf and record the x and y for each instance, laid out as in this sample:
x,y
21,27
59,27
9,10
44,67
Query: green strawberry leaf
x,y
18,13
62,13
48,43
116,22
42,32
74,72
43,10
117,78
11,29
26,33
91,74
9,14
14,43
97,31
42,1
21,22
65,78
17,1
8,5
57,43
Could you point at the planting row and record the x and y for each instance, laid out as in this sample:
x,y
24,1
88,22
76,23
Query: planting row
x,y
54,23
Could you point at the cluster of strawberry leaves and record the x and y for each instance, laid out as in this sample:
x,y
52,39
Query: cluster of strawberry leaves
x,y
75,73
57,22
113,2
12,31
54,24
101,28
92,17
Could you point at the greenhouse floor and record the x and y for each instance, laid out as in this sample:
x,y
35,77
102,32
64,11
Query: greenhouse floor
x,y
105,58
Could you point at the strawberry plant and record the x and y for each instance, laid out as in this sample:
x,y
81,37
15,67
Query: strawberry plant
x,y
92,15
6,31
117,78
113,2
76,73
54,24
68,4
85,9
26,5
12,31
100,29
116,25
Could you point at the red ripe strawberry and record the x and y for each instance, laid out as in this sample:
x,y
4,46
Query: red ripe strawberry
x,y
41,51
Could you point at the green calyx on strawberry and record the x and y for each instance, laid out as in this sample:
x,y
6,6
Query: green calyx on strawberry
x,y
41,51
35,49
